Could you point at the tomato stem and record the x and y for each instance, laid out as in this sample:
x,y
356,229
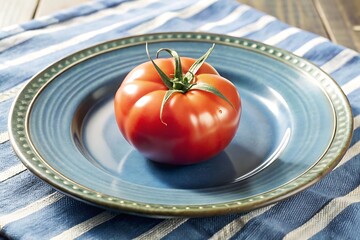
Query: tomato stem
x,y
180,83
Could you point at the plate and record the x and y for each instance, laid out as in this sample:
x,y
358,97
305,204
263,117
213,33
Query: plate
x,y
296,125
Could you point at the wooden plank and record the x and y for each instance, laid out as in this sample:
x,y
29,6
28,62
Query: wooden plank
x,y
16,11
47,7
301,14
341,19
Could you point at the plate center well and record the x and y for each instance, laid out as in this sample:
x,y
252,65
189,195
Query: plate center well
x,y
252,149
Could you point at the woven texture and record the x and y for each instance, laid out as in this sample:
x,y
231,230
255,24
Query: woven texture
x,y
31,209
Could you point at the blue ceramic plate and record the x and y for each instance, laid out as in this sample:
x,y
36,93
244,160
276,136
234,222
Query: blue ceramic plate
x,y
295,127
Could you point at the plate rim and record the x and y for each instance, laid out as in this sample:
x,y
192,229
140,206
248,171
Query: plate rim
x,y
20,139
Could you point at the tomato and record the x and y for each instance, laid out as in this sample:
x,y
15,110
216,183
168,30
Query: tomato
x,y
183,125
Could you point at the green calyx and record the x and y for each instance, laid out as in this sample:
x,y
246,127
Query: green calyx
x,y
182,83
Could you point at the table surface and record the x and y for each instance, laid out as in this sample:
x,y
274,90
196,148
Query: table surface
x,y
336,20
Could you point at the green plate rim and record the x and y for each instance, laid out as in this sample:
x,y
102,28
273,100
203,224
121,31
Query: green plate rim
x,y
23,147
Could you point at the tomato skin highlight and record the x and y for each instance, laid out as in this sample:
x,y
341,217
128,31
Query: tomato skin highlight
x,y
194,126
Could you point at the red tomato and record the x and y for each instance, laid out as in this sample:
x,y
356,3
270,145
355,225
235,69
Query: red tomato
x,y
192,126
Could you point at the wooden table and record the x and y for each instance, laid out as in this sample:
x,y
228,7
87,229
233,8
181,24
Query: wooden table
x,y
337,20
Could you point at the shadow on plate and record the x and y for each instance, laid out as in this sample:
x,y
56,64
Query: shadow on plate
x,y
217,171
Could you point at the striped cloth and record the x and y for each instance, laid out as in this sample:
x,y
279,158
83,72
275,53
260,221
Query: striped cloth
x,y
31,209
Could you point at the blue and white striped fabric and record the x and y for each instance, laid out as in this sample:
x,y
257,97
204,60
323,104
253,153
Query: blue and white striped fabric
x,y
31,209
